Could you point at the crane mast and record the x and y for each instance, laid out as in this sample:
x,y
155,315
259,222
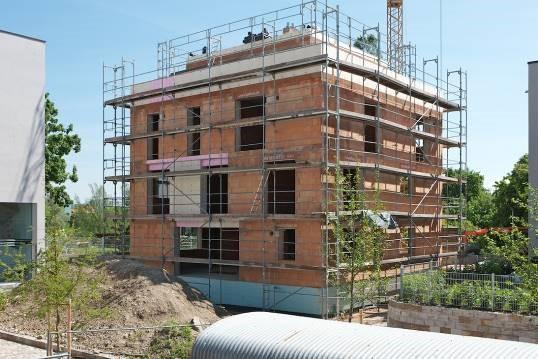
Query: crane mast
x,y
395,50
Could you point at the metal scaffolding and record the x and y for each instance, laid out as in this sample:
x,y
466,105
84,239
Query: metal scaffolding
x,y
193,152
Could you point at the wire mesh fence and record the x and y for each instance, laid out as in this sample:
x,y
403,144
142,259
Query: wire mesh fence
x,y
491,292
103,245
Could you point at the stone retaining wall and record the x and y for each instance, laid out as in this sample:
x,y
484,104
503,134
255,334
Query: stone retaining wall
x,y
463,322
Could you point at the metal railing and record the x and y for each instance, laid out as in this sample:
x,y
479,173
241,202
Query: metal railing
x,y
491,292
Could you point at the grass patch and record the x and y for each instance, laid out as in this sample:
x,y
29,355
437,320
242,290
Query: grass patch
x,y
171,342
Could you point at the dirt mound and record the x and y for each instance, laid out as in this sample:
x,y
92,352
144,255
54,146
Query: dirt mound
x,y
137,296
140,292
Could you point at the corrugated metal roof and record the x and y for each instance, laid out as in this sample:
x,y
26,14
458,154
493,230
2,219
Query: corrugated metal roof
x,y
268,335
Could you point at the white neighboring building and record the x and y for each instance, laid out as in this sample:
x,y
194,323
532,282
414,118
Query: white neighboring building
x,y
22,143
533,140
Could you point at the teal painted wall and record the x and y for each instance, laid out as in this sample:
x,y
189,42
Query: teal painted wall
x,y
283,298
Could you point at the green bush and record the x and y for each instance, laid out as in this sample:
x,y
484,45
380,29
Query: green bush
x,y
171,342
457,290
496,265
426,288
453,295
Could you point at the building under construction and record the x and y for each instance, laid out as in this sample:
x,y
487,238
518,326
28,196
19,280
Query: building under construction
x,y
219,166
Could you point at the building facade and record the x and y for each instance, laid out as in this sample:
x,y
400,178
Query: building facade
x,y
533,146
223,164
22,143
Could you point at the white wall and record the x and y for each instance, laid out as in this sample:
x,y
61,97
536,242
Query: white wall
x,y
533,141
185,195
22,126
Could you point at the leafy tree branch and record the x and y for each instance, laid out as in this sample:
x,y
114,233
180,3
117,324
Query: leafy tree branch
x,y
60,141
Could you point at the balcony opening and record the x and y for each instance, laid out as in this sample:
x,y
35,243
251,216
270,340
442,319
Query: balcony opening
x,y
153,143
198,242
193,138
281,192
252,107
370,139
220,243
287,239
424,123
186,238
230,243
403,184
159,201
153,122
370,108
251,138
201,270
419,125
153,148
216,193
419,142
419,150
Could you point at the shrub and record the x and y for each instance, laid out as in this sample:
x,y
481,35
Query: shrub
x,y
173,341
426,288
458,289
496,265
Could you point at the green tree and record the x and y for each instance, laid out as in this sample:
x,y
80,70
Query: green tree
x,y
480,210
367,43
59,278
503,253
88,217
473,187
529,274
55,216
60,141
480,207
511,194
359,241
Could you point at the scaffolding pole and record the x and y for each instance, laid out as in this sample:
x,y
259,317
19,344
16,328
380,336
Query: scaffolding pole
x,y
349,81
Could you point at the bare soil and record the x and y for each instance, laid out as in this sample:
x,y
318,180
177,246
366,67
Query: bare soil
x,y
370,316
136,296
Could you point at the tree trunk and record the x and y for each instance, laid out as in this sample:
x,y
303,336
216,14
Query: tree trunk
x,y
351,297
57,330
49,337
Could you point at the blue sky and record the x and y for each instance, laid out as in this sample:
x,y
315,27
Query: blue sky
x,y
492,40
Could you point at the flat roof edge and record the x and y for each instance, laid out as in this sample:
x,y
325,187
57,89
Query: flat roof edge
x,y
23,36
532,62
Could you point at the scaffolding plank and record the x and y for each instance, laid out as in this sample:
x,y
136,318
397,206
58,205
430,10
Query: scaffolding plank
x,y
214,170
396,170
237,263
228,124
126,100
394,83
397,127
